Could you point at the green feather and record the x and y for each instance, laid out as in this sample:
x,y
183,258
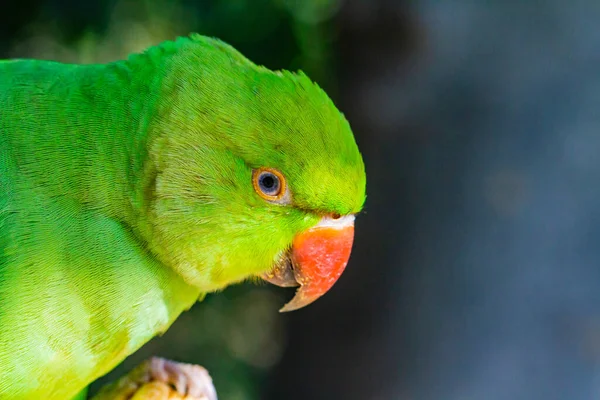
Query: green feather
x,y
126,194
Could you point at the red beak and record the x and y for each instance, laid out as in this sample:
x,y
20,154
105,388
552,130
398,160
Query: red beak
x,y
318,257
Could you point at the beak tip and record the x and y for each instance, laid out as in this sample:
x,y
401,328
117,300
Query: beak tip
x,y
294,304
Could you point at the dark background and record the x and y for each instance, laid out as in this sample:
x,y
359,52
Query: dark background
x,y
475,271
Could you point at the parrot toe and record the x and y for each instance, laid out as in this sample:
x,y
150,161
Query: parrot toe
x,y
161,379
188,379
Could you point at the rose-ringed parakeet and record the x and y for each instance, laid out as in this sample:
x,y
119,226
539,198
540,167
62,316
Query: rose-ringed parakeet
x,y
128,190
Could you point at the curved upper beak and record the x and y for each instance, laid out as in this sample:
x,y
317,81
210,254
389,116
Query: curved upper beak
x,y
316,260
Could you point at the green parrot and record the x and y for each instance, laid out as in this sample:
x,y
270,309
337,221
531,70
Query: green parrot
x,y
129,190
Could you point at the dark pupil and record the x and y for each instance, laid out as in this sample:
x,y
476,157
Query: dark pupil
x,y
269,183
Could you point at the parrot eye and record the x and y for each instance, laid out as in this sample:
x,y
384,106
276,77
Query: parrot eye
x,y
268,183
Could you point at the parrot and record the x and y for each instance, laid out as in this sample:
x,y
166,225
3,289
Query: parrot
x,y
131,189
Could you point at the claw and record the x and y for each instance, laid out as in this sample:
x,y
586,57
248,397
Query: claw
x,y
161,379
188,379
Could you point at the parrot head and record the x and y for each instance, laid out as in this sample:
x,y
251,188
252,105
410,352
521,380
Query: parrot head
x,y
253,173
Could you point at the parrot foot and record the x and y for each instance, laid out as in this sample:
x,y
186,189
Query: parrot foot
x,y
192,380
161,379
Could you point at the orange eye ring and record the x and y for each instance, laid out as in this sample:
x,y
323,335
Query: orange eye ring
x,y
269,183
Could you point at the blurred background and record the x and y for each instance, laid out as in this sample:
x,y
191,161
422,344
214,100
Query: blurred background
x,y
475,273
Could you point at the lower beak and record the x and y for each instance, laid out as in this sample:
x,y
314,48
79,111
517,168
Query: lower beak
x,y
316,260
